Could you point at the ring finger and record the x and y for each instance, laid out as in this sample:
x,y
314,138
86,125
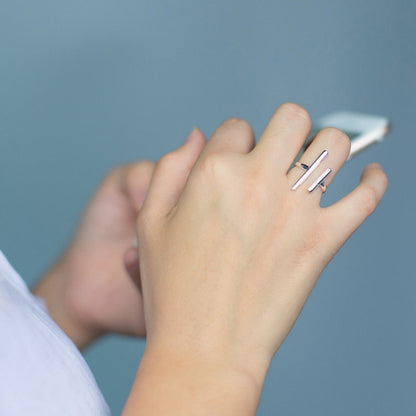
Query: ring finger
x,y
330,149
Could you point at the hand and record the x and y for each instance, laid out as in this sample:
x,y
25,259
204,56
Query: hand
x,y
89,291
229,252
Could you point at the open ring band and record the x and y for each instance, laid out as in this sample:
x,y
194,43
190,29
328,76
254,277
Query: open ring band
x,y
309,169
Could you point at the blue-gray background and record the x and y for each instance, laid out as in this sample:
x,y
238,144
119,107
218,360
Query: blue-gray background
x,y
86,85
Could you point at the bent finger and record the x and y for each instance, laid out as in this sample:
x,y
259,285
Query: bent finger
x,y
233,135
283,137
346,215
171,174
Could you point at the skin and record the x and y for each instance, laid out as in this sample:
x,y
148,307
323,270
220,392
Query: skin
x,y
228,256
89,291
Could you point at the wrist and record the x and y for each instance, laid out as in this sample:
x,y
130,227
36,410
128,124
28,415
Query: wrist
x,y
53,289
251,362
192,384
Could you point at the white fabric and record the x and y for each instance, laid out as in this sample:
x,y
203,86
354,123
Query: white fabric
x,y
41,370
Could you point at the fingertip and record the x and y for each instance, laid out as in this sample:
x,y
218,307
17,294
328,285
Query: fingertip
x,y
374,174
195,135
193,145
373,167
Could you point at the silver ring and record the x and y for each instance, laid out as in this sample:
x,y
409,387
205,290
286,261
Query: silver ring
x,y
320,181
301,165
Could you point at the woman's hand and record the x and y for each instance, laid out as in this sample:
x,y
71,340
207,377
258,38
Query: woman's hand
x,y
229,252
89,291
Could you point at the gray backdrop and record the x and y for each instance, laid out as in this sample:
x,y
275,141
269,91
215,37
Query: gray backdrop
x,y
88,85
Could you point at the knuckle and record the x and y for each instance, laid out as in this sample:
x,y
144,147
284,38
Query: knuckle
x,y
338,139
235,121
214,167
240,124
296,112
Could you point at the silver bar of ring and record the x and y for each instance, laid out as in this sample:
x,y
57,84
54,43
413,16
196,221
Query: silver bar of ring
x,y
312,167
320,179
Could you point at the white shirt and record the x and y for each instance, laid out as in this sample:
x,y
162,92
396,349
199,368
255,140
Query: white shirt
x,y
41,370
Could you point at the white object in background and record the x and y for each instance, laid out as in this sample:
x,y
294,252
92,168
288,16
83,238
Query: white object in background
x,y
362,129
